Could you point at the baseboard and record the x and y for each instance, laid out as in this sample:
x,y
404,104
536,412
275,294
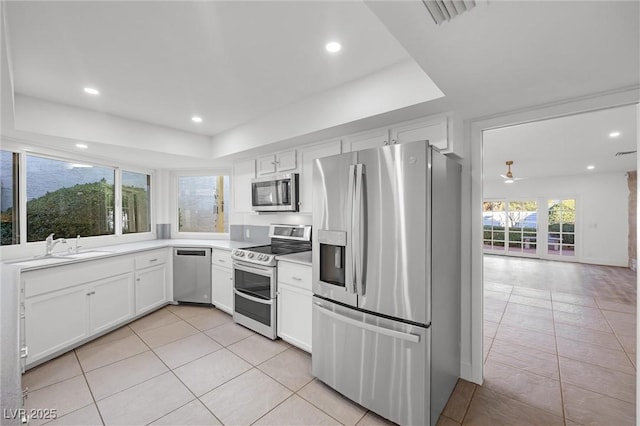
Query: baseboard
x,y
467,373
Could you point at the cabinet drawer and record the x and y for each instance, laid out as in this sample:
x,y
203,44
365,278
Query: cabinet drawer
x,y
295,274
221,258
57,278
151,258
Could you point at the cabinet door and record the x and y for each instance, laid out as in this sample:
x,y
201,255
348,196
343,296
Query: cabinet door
x,y
365,140
294,316
222,291
266,165
151,288
56,320
434,130
307,155
111,302
286,161
243,172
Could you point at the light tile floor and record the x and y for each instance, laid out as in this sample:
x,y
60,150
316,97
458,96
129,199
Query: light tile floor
x,y
187,365
559,347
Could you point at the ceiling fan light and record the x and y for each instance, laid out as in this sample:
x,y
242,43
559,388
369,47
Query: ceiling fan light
x,y
509,181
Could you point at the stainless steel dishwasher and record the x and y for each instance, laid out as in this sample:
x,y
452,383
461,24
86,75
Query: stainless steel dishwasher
x,y
192,275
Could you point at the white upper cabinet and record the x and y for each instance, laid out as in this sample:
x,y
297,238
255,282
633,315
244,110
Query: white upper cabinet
x,y
243,172
281,162
438,130
365,140
307,155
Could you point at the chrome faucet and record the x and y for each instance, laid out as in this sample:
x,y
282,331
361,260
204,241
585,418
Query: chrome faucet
x,y
51,243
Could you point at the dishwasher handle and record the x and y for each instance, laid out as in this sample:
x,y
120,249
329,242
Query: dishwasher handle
x,y
191,252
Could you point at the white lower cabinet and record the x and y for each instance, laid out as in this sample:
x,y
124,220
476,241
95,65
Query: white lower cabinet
x,y
222,281
152,285
54,321
110,302
294,304
151,288
68,304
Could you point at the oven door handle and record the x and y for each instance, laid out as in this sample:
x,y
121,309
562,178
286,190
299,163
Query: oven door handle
x,y
252,298
268,272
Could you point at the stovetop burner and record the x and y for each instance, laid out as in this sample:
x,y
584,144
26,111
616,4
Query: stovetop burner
x,y
285,239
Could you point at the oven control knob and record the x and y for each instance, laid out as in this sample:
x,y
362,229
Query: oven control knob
x,y
240,254
262,257
250,255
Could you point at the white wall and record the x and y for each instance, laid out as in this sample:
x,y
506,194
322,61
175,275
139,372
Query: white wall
x,y
602,210
265,219
398,86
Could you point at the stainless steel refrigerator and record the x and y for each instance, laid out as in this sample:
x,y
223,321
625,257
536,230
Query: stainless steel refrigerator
x,y
386,279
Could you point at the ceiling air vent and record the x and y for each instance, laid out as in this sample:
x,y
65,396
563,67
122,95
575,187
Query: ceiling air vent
x,y
446,10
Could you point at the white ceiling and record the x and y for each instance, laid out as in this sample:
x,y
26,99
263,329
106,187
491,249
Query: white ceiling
x,y
563,146
162,62
235,62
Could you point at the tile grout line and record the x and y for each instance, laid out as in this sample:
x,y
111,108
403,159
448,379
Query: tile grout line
x,y
95,402
555,339
466,411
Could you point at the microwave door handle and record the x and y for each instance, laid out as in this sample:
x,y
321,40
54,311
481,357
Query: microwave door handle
x,y
357,230
349,254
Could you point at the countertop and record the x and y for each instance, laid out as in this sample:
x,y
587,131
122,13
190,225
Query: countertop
x,y
59,259
303,258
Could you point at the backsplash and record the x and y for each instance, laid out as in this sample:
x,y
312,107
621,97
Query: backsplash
x,y
251,233
163,231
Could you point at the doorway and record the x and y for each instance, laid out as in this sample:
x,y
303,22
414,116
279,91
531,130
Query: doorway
x,y
545,320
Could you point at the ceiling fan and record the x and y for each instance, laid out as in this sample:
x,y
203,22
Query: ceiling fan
x,y
618,154
508,177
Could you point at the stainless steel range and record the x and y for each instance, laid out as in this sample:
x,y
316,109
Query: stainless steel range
x,y
255,277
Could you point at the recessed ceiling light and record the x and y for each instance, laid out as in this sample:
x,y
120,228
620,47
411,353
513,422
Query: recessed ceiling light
x,y
91,91
333,46
590,167
196,119
614,134
82,146
509,181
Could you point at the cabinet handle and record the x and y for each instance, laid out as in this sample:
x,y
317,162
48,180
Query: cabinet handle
x,y
386,142
24,352
296,278
221,261
90,293
393,141
137,279
153,260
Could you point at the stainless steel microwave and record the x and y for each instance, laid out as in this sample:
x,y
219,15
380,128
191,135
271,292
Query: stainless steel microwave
x,y
275,193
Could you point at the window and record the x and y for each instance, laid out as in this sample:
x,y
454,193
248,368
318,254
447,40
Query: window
x,y
494,218
522,225
201,204
9,205
562,223
511,227
68,199
136,215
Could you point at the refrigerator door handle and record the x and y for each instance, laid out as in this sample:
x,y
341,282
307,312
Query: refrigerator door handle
x,y
357,229
350,284
414,338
